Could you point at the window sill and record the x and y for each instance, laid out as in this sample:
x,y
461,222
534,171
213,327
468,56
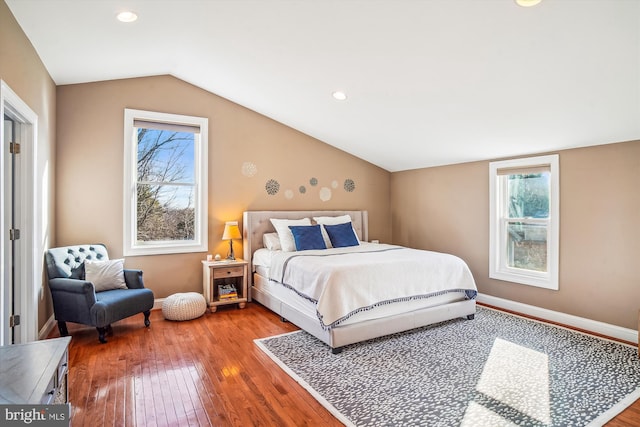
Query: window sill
x,y
164,249
539,281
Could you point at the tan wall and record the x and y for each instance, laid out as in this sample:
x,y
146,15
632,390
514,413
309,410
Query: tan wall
x,y
22,70
447,209
90,167
442,208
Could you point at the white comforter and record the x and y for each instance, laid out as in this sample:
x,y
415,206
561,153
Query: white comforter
x,y
344,281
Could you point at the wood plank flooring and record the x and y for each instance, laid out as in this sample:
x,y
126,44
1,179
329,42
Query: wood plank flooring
x,y
204,372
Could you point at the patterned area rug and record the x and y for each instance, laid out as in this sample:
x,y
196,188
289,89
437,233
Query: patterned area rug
x,y
495,370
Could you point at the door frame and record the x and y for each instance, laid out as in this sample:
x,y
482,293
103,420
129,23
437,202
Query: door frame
x,y
31,216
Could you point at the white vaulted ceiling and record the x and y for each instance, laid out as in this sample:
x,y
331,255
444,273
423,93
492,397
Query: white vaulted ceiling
x,y
429,82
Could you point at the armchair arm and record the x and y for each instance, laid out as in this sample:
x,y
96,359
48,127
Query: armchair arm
x,y
133,279
72,299
73,286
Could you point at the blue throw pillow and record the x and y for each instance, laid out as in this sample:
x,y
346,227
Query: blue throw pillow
x,y
307,237
342,235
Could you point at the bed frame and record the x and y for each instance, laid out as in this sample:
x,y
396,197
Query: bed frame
x,y
256,223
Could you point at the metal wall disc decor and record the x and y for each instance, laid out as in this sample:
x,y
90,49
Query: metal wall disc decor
x,y
325,194
349,185
272,186
249,169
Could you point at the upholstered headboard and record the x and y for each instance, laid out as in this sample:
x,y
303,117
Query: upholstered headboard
x,y
256,223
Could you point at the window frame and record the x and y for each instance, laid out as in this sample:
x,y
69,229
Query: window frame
x,y
498,268
132,247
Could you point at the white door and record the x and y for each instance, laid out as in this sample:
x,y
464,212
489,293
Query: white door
x,y
21,266
12,216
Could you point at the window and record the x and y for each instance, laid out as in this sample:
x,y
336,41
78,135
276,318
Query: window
x,y
165,183
524,215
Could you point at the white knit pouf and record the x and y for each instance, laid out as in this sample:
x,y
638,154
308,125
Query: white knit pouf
x,y
184,306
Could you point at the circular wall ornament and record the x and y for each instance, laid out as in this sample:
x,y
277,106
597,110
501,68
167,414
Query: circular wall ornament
x,y
334,184
313,182
288,194
272,186
249,169
325,194
349,185
302,189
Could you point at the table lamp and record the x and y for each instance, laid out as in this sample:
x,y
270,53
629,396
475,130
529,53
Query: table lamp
x,y
231,231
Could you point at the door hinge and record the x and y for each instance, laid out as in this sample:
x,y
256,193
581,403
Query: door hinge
x,y
14,320
14,147
14,234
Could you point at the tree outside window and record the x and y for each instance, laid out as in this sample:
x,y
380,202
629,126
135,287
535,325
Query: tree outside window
x,y
165,187
528,200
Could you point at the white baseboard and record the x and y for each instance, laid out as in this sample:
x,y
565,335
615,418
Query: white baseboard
x,y
602,328
157,304
47,328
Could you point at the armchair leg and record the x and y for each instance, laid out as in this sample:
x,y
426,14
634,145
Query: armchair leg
x,y
62,327
146,318
101,333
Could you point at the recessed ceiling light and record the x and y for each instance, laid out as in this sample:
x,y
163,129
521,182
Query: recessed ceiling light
x,y
339,95
127,16
527,3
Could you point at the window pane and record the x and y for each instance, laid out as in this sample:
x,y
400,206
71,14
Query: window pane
x,y
528,195
527,246
165,156
165,212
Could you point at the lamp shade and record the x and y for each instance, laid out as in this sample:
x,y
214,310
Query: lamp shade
x,y
231,231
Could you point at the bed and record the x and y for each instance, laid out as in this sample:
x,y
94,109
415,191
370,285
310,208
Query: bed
x,y
296,284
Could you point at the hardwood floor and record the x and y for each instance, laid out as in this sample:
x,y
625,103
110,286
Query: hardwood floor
x,y
204,372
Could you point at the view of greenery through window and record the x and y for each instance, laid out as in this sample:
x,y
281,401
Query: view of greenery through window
x,y
165,185
528,220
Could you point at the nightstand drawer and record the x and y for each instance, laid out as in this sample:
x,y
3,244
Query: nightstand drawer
x,y
220,273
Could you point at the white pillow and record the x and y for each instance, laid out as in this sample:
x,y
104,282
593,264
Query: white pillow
x,y
287,243
331,220
105,275
271,241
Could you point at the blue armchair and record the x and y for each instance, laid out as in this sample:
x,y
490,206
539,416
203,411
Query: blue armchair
x,y
76,300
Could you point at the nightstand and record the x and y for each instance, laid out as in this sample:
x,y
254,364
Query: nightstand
x,y
217,275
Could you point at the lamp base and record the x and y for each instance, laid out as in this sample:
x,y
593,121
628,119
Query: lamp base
x,y
231,256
